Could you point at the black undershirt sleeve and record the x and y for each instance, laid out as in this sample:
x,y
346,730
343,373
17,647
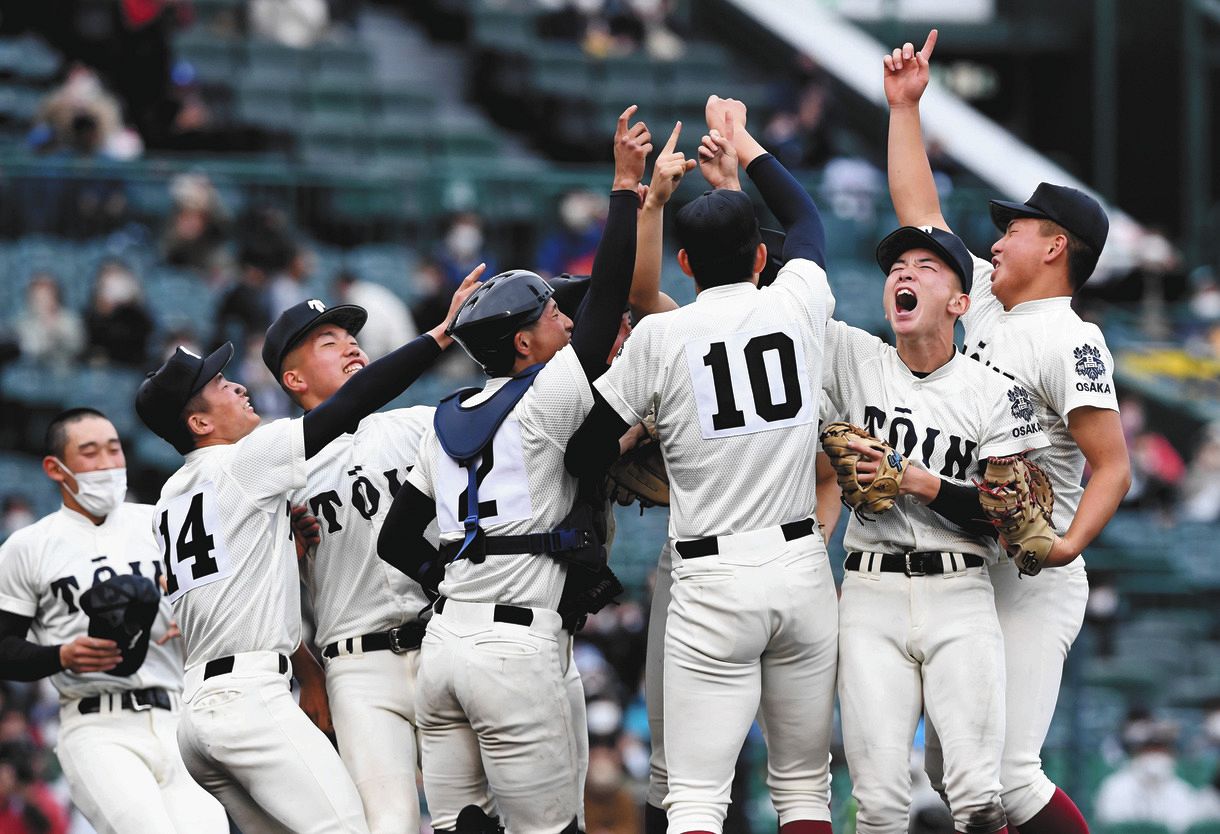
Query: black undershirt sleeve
x,y
959,503
594,447
792,207
20,659
368,391
597,323
401,542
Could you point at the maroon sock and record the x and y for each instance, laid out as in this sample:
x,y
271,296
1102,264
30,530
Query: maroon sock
x,y
805,827
1060,816
655,821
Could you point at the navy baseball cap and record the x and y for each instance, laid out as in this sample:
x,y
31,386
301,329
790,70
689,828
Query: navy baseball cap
x,y
716,225
165,392
294,324
1074,210
947,246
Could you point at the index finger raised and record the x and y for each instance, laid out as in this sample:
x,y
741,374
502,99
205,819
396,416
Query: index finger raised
x,y
925,51
623,119
673,139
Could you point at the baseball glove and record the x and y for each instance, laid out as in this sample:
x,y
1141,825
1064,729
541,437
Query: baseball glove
x,y
1018,499
639,475
879,495
123,609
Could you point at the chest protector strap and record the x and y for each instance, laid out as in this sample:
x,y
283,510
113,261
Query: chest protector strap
x,y
464,433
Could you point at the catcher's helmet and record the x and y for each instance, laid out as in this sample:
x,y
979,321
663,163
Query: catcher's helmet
x,y
487,321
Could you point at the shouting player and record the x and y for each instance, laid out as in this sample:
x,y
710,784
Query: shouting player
x,y
736,378
1022,327
917,623
224,528
118,707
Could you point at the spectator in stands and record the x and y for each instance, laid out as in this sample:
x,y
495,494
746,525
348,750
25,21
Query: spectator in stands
x,y
429,292
117,322
1147,788
15,513
198,225
47,331
1201,486
1205,295
571,248
297,23
389,324
799,133
290,285
609,806
1156,467
82,117
462,250
265,249
27,805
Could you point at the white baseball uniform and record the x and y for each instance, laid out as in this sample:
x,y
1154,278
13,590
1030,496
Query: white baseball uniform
x,y
915,643
1063,361
122,763
654,677
355,594
223,525
738,377
491,698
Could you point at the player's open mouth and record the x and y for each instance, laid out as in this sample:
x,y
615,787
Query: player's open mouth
x,y
905,300
353,367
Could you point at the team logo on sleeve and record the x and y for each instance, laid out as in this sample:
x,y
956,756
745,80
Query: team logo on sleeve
x,y
1088,362
1021,403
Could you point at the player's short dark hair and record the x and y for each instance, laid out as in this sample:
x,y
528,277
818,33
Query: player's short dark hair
x,y
1081,257
185,441
56,441
719,232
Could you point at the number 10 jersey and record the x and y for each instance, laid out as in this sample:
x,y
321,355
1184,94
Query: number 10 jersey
x,y
736,378
223,527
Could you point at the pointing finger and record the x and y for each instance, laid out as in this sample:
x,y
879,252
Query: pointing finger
x,y
622,120
673,139
926,51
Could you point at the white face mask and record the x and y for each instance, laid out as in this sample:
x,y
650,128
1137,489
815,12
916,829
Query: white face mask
x,y
464,240
98,493
1154,765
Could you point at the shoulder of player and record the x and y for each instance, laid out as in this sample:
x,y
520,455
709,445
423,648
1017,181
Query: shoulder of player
x,y
131,512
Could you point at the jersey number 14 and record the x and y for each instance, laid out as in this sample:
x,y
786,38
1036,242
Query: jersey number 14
x,y
189,535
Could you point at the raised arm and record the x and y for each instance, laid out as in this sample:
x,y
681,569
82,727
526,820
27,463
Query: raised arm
x,y
597,326
912,188
382,380
784,196
646,296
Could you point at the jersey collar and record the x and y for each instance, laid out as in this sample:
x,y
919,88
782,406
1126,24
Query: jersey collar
x,y
726,290
1041,305
943,370
73,517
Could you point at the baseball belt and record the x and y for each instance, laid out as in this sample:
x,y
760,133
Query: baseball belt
x,y
132,699
708,546
224,665
404,638
917,563
502,613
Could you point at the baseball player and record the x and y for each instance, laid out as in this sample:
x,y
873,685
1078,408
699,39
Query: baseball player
x,y
368,626
736,379
491,702
917,624
1021,325
224,529
117,738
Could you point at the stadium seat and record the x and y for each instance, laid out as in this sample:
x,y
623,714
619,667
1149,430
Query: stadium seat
x,y
1130,828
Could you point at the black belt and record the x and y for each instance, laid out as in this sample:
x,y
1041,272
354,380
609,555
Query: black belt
x,y
404,638
503,614
133,699
224,665
920,563
694,548
554,541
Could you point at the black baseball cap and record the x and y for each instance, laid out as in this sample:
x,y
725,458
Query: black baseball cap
x,y
294,324
165,392
714,226
947,246
1074,210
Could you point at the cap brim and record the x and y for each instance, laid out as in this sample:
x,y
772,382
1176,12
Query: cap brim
x,y
1003,212
348,316
905,239
213,364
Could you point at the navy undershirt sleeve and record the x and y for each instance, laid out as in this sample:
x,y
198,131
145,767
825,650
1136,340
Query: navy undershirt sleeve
x,y
792,207
597,323
21,659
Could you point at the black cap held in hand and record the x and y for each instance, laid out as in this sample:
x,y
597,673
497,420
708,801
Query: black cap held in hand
x,y
166,391
946,245
294,324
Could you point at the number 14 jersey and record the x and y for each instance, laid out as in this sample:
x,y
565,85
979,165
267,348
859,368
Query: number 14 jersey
x,y
223,527
736,378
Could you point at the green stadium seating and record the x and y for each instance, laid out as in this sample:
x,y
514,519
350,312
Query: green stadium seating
x,y
1129,828
1207,827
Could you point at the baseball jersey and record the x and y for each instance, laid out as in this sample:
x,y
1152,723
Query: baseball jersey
x,y
735,378
224,531
523,486
352,482
46,567
946,421
1058,357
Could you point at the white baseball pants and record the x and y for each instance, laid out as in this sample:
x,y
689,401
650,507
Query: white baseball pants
x,y
580,726
909,645
246,741
126,775
654,678
372,705
754,626
494,711
1040,617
